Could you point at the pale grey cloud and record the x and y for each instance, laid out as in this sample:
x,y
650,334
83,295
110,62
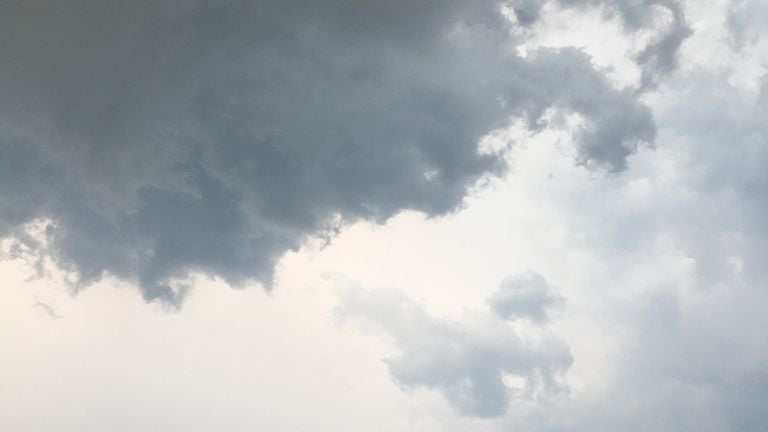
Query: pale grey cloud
x,y
466,360
47,309
525,296
745,21
678,247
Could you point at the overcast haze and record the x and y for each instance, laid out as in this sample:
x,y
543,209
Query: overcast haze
x,y
396,216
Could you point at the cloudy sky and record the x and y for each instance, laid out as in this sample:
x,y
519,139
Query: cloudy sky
x,y
435,215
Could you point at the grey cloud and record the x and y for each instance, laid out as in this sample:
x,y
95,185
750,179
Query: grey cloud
x,y
745,21
527,12
659,57
615,124
684,362
47,309
467,361
527,295
730,177
165,137
683,238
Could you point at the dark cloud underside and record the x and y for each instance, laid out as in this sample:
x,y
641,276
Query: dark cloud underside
x,y
163,137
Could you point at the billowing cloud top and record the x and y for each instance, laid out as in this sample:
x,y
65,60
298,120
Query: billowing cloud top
x,y
165,137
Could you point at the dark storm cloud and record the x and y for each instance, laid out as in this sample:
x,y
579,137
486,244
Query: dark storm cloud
x,y
468,360
164,137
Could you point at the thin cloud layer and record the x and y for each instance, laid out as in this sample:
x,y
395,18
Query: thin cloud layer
x,y
467,361
161,138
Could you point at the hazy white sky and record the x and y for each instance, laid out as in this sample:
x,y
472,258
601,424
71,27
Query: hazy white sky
x,y
584,288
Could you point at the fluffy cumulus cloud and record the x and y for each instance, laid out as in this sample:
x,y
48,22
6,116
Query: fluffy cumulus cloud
x,y
470,361
159,138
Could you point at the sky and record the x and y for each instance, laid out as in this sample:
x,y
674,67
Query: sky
x,y
337,215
